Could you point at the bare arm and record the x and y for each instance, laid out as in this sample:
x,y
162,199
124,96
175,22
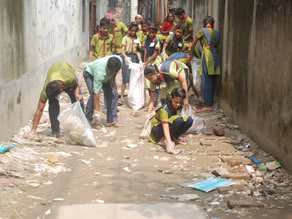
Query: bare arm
x,y
96,102
164,47
184,85
150,59
123,52
151,102
145,56
193,47
165,127
90,54
38,114
188,36
139,56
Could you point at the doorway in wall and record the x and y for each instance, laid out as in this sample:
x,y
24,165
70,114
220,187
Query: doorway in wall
x,y
92,18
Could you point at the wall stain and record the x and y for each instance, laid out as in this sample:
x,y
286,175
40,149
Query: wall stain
x,y
19,97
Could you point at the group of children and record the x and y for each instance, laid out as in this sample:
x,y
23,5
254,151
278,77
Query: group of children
x,y
165,52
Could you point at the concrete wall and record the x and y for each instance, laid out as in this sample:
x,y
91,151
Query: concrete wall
x,y
35,34
255,87
101,9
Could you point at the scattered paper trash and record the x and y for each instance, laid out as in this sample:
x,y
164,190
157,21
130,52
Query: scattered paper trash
x,y
99,201
58,199
127,169
183,197
132,145
165,171
255,160
6,147
86,162
273,165
211,184
53,159
178,151
48,212
249,168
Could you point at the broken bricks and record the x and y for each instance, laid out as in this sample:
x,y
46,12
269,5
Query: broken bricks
x,y
244,203
218,130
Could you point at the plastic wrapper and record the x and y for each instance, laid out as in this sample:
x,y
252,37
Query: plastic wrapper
x,y
196,73
197,126
75,125
136,97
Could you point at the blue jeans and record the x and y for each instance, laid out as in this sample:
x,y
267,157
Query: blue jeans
x,y
110,95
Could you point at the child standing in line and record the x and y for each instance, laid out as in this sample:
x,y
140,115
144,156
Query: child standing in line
x,y
131,46
142,35
168,123
101,43
210,66
152,56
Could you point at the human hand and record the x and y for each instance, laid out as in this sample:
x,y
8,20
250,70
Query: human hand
x,y
97,116
128,60
170,147
186,103
164,55
79,97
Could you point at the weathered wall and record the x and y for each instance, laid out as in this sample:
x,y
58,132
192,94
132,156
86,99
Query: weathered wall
x,y
35,34
255,87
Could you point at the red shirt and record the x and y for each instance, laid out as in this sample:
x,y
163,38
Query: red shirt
x,y
167,26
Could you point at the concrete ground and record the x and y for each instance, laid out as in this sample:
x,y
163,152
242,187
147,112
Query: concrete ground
x,y
125,177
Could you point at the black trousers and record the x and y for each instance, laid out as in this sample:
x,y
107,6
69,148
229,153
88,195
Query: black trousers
x,y
176,129
54,110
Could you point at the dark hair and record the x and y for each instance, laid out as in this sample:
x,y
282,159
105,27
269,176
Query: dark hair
x,y
179,11
149,70
180,27
53,89
104,22
171,10
144,21
133,24
169,14
176,92
153,26
208,20
114,64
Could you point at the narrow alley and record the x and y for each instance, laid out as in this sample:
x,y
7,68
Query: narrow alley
x,y
226,169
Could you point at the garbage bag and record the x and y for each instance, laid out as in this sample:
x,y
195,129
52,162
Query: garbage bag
x,y
145,133
136,98
197,126
75,125
196,73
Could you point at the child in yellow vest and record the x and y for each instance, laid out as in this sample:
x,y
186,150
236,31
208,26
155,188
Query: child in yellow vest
x,y
131,47
101,43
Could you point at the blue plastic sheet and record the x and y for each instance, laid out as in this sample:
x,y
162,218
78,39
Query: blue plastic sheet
x,y
211,184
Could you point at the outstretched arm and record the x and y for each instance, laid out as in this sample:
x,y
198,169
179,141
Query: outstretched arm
x,y
193,47
37,116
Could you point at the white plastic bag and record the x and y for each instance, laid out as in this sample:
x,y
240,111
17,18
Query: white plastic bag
x,y
196,73
197,126
186,112
75,125
136,98
147,126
